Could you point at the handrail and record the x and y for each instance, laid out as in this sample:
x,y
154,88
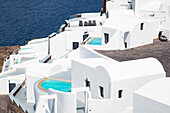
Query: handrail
x,y
14,92
46,59
65,54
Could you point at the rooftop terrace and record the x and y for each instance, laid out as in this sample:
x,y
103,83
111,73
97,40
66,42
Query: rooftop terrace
x,y
159,50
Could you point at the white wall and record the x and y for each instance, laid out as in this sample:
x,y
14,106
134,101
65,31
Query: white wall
x,y
94,31
110,31
97,77
62,43
142,37
4,86
116,4
145,105
73,36
141,3
31,79
166,32
89,53
115,42
128,86
38,92
58,45
100,106
66,102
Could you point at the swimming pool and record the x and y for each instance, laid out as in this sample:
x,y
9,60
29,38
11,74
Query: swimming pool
x,y
25,48
3,76
95,41
56,84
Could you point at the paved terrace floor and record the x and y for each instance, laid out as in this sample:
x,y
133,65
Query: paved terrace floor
x,y
159,50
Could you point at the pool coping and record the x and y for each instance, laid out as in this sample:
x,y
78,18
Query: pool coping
x,y
39,83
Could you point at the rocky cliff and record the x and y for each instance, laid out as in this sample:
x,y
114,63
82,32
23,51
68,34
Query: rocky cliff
x,y
4,52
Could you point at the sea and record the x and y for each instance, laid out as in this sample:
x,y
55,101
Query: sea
x,y
23,20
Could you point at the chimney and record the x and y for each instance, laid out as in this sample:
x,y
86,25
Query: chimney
x,y
103,9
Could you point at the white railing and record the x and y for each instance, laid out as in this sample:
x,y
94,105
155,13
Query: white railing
x,y
87,95
17,101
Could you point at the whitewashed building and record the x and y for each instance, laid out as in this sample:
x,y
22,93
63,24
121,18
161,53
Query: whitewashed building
x,y
123,31
153,97
114,83
159,8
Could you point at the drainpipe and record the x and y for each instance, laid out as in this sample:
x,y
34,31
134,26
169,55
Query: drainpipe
x,y
49,45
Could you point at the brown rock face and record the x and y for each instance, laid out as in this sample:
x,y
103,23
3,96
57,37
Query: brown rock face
x,y
4,52
7,106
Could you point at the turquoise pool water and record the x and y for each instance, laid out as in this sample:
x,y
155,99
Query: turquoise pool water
x,y
96,41
25,48
3,76
56,85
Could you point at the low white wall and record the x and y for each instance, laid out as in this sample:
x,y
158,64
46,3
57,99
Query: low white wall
x,y
58,45
100,106
4,86
38,92
66,102
31,79
145,105
4,83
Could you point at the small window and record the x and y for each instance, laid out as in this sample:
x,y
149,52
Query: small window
x,y
87,83
75,45
120,93
106,35
11,86
141,26
101,91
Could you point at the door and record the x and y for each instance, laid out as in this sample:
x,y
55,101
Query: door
x,y
126,38
106,36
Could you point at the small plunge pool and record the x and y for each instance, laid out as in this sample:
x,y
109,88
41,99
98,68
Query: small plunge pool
x,y
95,41
56,84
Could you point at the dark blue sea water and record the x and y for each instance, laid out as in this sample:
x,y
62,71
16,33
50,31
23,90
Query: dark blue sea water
x,y
22,20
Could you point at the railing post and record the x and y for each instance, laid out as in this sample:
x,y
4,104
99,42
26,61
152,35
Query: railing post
x,y
49,45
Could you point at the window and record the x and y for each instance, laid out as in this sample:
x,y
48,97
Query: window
x,y
75,45
120,93
106,35
101,89
87,83
141,26
11,86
